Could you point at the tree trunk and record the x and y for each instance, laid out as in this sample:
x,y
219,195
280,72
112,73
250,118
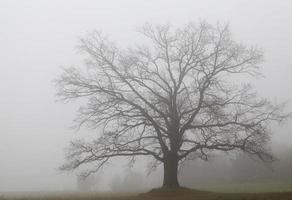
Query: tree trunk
x,y
170,172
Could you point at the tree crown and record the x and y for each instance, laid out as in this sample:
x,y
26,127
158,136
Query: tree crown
x,y
172,96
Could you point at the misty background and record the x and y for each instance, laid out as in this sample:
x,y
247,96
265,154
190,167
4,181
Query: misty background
x,y
37,37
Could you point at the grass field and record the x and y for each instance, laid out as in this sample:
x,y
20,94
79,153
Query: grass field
x,y
166,194
248,187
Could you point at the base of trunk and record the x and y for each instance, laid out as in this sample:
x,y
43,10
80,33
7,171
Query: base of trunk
x,y
171,192
170,179
171,185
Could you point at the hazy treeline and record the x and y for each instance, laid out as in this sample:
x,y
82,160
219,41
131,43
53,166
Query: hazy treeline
x,y
229,169
219,169
127,182
240,169
89,183
132,181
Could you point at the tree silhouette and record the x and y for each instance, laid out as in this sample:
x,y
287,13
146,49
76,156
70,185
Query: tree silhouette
x,y
172,98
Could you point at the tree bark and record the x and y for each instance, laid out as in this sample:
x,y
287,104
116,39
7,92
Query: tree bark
x,y
170,172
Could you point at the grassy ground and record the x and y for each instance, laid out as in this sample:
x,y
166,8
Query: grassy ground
x,y
169,194
248,187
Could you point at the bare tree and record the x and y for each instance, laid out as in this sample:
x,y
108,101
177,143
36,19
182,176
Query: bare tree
x,y
172,99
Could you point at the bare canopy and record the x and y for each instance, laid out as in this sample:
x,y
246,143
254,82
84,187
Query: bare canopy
x,y
171,99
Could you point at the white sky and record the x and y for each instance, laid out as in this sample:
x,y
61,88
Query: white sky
x,y
39,36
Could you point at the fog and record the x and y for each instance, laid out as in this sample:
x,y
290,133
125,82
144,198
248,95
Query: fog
x,y
38,37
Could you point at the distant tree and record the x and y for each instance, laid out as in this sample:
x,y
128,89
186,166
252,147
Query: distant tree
x,y
172,99
245,169
132,182
198,173
116,184
87,183
283,165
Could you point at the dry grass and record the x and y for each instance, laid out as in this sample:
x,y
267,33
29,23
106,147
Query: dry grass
x,y
168,194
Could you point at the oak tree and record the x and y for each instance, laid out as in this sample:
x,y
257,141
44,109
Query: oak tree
x,y
175,97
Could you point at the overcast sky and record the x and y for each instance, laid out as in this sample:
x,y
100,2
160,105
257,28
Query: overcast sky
x,y
39,36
